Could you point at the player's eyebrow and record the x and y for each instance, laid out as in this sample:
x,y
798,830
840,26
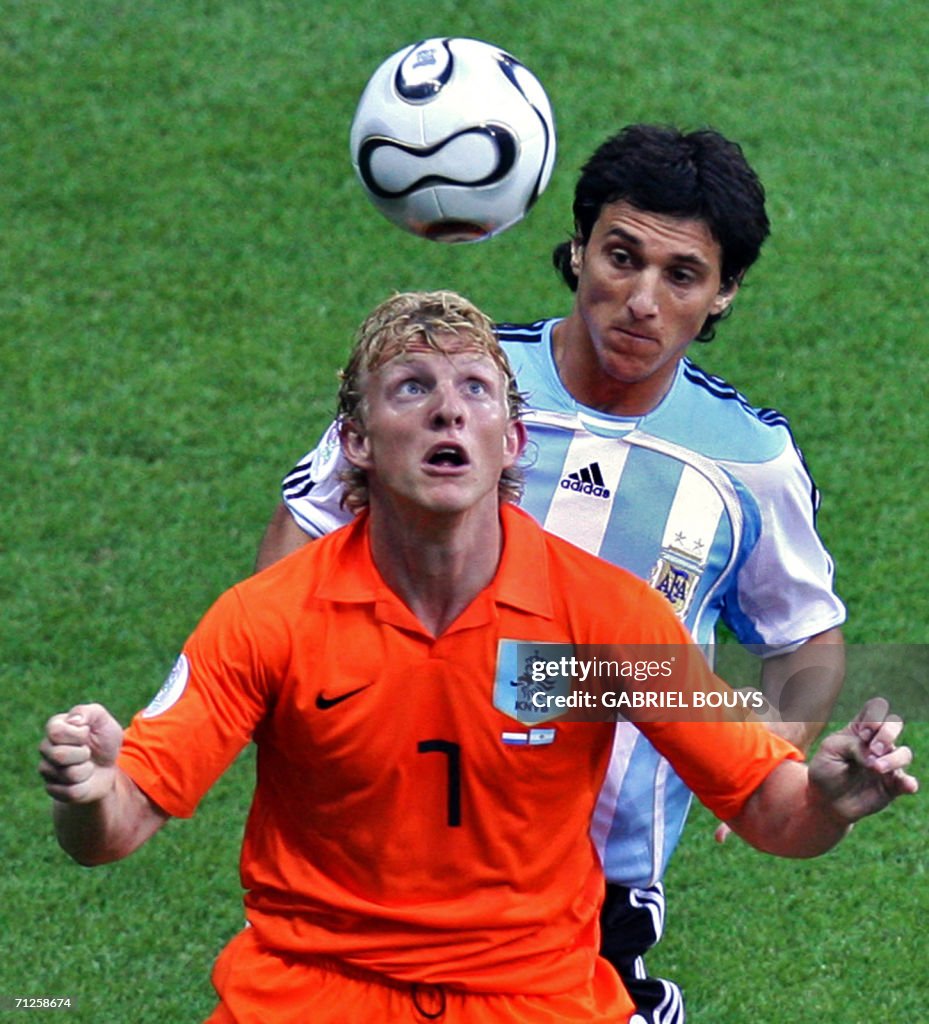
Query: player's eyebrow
x,y
635,242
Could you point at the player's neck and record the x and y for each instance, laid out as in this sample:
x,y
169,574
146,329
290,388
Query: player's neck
x,y
437,565
586,381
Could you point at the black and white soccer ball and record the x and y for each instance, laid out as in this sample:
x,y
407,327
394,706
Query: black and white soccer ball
x,y
453,139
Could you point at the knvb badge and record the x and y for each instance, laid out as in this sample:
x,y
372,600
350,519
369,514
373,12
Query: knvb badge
x,y
522,674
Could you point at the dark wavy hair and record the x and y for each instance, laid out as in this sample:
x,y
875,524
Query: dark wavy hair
x,y
698,175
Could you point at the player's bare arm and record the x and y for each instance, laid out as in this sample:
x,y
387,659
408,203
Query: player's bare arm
x,y
803,811
801,689
281,537
804,686
100,814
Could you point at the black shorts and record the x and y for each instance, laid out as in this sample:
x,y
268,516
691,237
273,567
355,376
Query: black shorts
x,y
631,922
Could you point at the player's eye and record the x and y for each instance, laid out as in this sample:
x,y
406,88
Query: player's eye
x,y
682,276
621,257
476,387
411,387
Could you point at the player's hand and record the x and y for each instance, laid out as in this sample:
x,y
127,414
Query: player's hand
x,y
79,754
860,769
722,833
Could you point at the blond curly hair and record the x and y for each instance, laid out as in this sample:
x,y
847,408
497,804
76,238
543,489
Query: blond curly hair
x,y
401,322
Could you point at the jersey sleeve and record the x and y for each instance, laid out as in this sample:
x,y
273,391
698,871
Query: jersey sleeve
x,y
783,592
312,490
720,756
203,716
721,762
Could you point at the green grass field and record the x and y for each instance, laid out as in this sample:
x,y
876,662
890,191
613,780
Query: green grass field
x,y
185,254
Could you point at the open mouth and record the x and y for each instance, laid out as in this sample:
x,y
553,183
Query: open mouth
x,y
447,456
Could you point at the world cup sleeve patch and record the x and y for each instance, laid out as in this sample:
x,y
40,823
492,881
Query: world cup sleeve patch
x,y
327,455
529,676
172,689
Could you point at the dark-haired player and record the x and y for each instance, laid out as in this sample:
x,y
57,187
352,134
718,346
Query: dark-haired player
x,y
641,457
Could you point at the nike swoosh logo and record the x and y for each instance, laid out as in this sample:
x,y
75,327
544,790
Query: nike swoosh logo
x,y
324,703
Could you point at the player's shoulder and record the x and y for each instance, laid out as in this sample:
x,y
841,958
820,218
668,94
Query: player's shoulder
x,y
297,577
528,347
531,333
261,610
709,415
525,344
317,465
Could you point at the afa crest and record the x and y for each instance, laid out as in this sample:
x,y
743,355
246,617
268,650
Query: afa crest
x,y
677,580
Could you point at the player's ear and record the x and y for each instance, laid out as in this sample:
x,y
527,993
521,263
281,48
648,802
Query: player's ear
x,y
727,292
514,442
577,256
355,444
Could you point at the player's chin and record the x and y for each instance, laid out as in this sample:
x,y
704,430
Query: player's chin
x,y
455,496
629,367
447,505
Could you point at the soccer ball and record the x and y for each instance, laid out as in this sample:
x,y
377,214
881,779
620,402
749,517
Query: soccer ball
x,y
453,139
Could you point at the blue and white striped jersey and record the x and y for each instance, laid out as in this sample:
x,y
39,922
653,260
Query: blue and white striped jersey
x,y
704,496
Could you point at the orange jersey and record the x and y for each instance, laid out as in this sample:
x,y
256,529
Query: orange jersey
x,y
395,827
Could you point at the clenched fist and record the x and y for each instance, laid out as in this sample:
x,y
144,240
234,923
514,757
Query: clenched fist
x,y
79,754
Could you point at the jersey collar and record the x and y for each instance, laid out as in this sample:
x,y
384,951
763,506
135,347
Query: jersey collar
x,y
521,580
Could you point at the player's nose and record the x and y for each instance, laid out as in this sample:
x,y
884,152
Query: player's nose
x,y
643,296
447,407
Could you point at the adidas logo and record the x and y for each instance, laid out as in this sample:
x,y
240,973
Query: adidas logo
x,y
587,480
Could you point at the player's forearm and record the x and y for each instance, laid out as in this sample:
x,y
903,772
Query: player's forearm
x,y
789,817
107,829
281,537
804,686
